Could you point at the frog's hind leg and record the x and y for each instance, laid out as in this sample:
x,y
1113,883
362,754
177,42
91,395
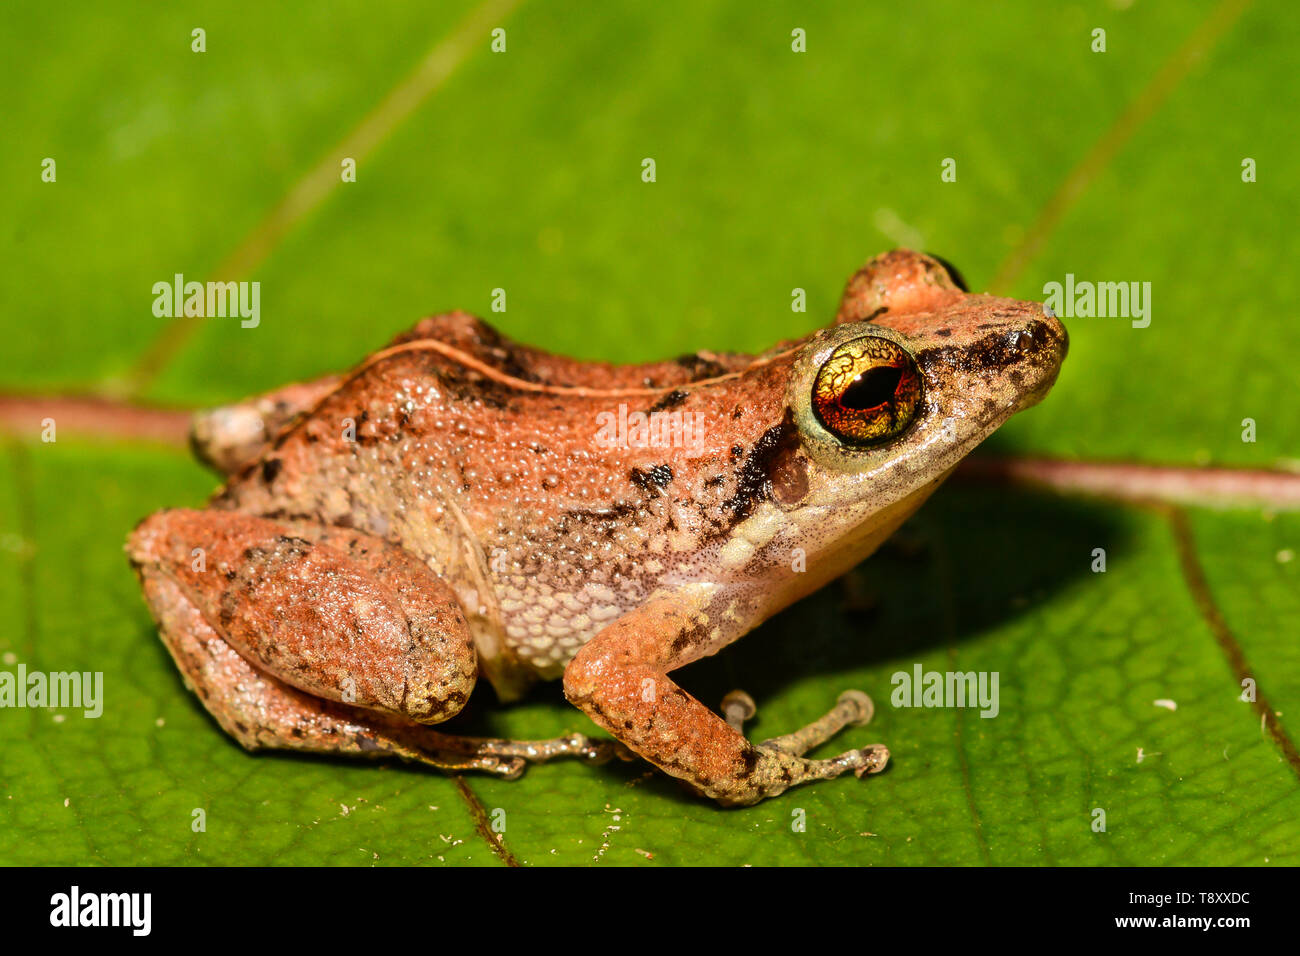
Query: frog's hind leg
x,y
301,637
262,712
339,614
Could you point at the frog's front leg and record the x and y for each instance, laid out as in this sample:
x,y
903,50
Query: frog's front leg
x,y
620,680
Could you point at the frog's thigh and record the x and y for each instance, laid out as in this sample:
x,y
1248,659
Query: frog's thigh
x,y
620,680
336,613
262,712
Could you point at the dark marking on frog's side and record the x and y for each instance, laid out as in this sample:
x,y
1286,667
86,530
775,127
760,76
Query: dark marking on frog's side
x,y
468,386
275,514
505,355
988,411
997,350
943,333
789,474
482,341
698,367
297,547
606,522
270,469
689,637
671,400
754,478
653,479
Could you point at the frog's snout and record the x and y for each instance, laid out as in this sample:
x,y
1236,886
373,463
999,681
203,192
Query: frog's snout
x,y
1035,352
1009,357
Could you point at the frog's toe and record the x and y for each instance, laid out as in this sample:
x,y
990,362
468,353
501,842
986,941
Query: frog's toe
x,y
853,709
861,706
738,707
868,760
507,768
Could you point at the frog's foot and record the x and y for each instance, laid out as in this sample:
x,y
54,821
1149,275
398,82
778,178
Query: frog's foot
x,y
853,709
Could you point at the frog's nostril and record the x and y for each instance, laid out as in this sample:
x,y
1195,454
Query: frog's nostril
x,y
1036,341
1020,342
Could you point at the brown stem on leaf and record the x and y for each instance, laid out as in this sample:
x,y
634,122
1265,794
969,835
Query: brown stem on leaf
x,y
23,415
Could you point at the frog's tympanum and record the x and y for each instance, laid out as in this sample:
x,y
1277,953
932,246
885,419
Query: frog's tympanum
x,y
460,505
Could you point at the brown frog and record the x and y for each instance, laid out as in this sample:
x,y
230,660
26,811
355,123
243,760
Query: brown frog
x,y
460,505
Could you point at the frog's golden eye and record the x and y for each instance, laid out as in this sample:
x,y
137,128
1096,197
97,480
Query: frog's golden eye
x,y
867,391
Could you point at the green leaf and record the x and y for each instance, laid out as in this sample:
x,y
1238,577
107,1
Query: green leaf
x,y
775,170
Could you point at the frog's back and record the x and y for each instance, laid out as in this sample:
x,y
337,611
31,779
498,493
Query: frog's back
x,y
550,508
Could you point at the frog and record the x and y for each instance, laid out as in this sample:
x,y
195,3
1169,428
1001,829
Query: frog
x,y
457,506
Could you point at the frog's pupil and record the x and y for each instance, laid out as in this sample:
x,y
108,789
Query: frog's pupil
x,y
871,388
